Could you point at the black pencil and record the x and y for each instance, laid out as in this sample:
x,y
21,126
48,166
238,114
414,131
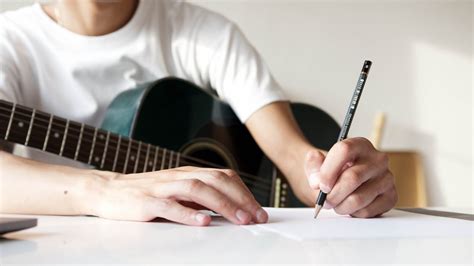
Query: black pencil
x,y
347,123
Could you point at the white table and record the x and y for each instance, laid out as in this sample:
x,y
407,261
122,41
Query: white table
x,y
94,240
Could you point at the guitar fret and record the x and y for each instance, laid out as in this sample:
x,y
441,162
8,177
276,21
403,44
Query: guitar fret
x,y
157,149
19,125
79,142
30,127
71,140
170,165
126,158
138,157
5,108
117,152
93,146
38,130
56,136
105,151
64,138
142,161
146,158
10,122
48,132
99,147
163,159
178,157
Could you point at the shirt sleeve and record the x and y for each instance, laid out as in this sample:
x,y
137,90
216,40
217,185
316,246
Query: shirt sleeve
x,y
9,78
241,77
8,83
9,72
213,52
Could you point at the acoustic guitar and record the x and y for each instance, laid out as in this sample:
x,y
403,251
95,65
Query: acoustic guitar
x,y
164,124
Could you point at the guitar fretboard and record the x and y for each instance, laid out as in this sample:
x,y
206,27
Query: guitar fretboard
x,y
80,142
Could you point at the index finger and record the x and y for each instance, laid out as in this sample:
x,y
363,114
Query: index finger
x,y
342,155
199,192
230,184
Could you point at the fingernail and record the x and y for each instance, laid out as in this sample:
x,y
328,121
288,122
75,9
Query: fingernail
x,y
262,216
314,180
200,217
324,188
242,216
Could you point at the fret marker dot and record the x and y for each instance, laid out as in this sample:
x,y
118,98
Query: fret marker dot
x,y
150,163
101,136
20,124
132,158
96,158
56,135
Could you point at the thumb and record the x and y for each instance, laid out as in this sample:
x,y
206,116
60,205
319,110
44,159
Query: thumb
x,y
314,160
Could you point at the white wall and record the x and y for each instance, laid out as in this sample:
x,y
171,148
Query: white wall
x,y
422,74
421,77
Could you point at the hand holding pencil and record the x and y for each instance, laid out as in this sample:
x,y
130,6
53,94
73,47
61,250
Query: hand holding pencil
x,y
353,178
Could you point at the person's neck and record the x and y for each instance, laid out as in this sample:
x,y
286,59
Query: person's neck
x,y
92,17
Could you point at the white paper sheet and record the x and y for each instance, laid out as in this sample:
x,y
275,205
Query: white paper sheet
x,y
299,224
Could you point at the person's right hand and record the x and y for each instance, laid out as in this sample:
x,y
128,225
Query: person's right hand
x,y
169,193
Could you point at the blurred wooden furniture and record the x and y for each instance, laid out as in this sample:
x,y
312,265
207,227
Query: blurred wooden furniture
x,y
406,166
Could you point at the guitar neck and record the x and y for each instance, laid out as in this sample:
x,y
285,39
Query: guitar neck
x,y
102,149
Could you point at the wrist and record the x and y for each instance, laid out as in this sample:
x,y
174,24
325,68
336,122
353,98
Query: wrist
x,y
91,190
292,164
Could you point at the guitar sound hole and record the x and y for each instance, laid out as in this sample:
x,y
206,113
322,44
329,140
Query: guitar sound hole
x,y
215,159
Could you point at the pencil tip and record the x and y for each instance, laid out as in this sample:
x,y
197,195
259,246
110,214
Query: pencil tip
x,y
317,209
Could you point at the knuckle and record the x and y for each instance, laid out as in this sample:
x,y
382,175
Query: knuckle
x,y
217,176
365,142
224,205
345,148
353,178
230,173
355,200
317,155
193,185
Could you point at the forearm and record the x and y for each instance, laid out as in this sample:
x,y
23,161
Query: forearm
x,y
30,187
277,133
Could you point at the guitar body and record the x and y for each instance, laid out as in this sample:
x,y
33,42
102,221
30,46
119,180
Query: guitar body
x,y
177,115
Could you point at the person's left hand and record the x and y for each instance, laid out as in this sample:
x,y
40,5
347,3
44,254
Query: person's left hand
x,y
356,177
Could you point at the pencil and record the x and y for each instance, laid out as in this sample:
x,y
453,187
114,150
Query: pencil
x,y
347,123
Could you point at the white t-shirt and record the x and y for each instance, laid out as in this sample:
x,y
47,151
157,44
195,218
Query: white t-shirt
x,y
47,67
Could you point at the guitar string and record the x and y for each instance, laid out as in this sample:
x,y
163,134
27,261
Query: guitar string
x,y
113,141
198,162
257,188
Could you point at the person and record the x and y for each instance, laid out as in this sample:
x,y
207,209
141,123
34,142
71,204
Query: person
x,y
72,57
